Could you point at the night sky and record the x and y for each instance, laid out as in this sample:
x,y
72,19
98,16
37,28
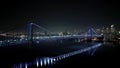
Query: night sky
x,y
59,15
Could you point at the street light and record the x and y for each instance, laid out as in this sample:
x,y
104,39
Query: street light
x,y
119,32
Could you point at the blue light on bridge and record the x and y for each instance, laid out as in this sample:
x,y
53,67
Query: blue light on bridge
x,y
26,66
54,59
51,60
41,62
37,62
20,65
15,40
37,41
37,37
48,61
8,41
45,62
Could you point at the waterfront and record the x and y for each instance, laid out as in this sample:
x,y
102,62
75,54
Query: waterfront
x,y
104,55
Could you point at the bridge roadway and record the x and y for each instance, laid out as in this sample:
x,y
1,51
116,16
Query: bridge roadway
x,y
65,37
13,41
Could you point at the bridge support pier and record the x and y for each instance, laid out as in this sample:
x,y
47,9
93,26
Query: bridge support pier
x,y
30,35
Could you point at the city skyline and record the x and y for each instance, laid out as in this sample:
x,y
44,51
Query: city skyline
x,y
58,34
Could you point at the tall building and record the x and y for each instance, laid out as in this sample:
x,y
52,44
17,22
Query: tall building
x,y
112,28
107,30
103,30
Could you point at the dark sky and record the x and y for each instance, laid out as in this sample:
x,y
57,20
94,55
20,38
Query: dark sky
x,y
60,15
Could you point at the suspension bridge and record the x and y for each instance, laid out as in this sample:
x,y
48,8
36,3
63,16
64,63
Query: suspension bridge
x,y
32,40
30,37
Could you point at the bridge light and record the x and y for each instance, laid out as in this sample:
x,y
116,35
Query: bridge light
x,y
79,40
37,63
31,23
45,62
37,42
21,39
119,32
22,36
20,65
48,61
54,59
41,62
102,34
37,37
51,60
8,40
26,66
112,26
1,41
15,40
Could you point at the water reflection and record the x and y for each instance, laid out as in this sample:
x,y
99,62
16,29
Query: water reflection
x,y
39,62
46,61
26,66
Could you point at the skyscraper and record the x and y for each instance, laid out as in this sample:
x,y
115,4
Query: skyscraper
x,y
112,28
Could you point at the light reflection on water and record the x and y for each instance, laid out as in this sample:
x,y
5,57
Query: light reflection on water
x,y
39,62
46,61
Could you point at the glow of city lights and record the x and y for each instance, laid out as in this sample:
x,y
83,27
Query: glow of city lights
x,y
119,32
37,42
79,40
8,40
22,36
112,26
102,34
37,37
45,61
15,40
21,39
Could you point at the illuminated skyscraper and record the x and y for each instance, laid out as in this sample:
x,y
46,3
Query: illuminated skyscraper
x,y
112,28
107,30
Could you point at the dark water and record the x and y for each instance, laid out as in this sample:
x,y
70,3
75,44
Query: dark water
x,y
106,55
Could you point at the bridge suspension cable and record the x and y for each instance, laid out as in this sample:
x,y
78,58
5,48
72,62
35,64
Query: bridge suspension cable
x,y
39,27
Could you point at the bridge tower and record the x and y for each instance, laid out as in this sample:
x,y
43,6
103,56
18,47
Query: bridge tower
x,y
90,33
30,34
